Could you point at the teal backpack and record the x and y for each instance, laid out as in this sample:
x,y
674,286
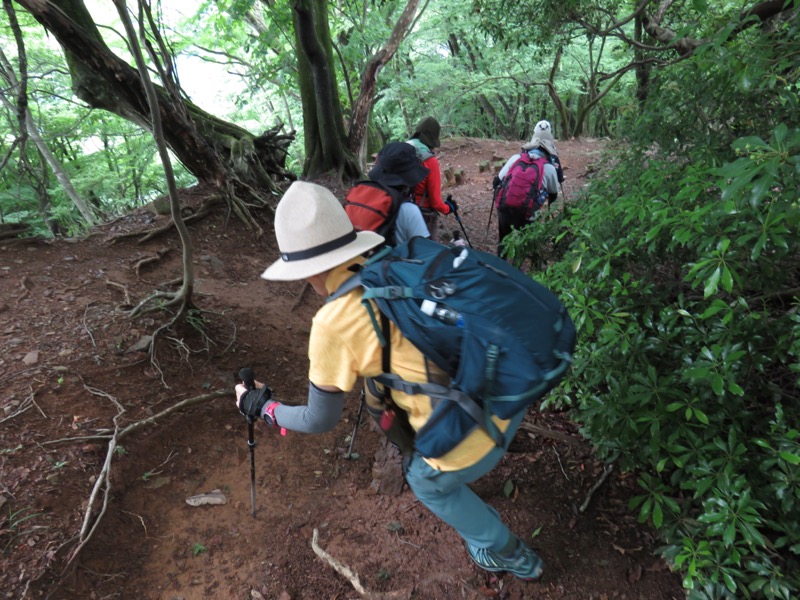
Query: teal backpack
x,y
504,339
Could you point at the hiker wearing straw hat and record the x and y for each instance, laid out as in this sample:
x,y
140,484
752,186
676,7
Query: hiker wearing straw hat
x,y
527,182
318,243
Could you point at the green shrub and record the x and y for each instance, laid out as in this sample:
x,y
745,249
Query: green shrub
x,y
681,273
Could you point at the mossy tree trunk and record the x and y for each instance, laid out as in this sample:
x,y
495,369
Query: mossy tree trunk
x,y
324,132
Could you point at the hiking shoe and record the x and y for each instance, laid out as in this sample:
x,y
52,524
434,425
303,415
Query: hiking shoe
x,y
523,563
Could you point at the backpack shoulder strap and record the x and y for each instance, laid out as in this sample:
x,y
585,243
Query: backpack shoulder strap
x,y
423,152
349,285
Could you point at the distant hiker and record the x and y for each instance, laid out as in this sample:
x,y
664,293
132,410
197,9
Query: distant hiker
x,y
527,183
428,193
318,243
384,203
543,131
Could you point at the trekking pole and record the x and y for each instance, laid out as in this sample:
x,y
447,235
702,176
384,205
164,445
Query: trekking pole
x,y
455,214
355,427
249,380
488,224
495,185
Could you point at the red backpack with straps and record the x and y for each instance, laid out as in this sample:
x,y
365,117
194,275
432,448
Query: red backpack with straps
x,y
373,207
523,186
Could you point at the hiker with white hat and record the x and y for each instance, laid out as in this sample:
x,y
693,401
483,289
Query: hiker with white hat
x,y
318,243
520,193
543,138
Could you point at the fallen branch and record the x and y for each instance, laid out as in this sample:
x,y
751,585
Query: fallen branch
x,y
338,567
25,405
86,327
555,435
558,458
606,472
347,572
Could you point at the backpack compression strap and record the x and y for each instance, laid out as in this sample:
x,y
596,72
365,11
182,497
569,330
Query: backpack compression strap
x,y
436,392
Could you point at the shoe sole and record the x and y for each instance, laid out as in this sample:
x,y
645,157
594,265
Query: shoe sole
x,y
495,570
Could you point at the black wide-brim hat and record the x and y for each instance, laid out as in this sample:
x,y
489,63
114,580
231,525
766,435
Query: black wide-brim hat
x,y
397,165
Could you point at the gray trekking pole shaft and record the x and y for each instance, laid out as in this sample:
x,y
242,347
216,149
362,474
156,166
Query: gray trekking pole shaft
x,y
458,218
249,380
355,427
466,237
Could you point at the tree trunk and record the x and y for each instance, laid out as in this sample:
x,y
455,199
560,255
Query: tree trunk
x,y
551,88
358,127
642,67
26,124
213,150
503,123
325,138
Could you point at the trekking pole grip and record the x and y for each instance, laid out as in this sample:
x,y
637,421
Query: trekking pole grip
x,y
248,378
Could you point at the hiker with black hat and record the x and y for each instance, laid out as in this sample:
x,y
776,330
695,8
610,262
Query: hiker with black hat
x,y
318,244
384,202
428,192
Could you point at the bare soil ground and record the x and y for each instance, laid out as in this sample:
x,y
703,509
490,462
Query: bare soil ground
x,y
70,372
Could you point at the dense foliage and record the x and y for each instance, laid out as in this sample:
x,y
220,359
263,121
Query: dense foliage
x,y
680,268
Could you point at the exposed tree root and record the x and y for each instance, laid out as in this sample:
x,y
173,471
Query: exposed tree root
x,y
121,287
102,487
150,259
234,202
24,283
135,426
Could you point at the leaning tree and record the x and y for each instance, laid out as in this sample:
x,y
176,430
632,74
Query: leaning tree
x,y
213,150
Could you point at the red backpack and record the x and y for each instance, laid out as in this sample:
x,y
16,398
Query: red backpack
x,y
373,207
523,185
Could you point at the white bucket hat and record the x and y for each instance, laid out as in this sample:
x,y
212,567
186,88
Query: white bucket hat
x,y
314,234
542,138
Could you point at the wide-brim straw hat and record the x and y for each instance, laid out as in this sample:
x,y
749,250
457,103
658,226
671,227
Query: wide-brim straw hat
x,y
314,234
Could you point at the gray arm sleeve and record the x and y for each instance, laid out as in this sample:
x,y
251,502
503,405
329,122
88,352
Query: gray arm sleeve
x,y
409,223
321,413
550,179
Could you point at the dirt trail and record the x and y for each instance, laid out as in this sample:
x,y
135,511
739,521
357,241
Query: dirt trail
x,y
68,365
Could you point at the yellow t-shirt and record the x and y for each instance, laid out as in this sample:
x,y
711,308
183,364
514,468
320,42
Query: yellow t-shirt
x,y
344,346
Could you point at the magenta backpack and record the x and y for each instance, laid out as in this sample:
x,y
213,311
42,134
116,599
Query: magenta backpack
x,y
523,186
